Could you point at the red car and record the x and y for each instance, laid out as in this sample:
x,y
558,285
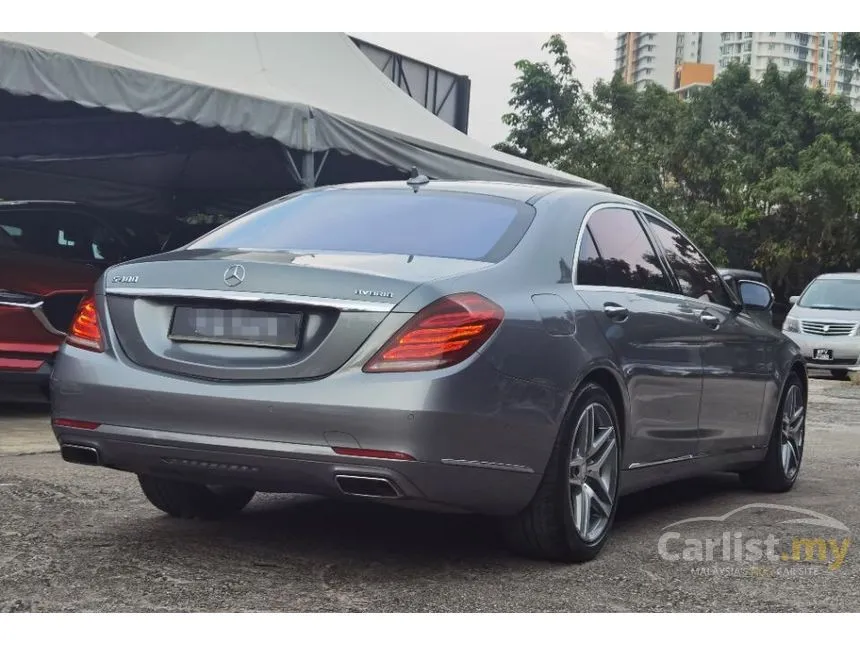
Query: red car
x,y
38,298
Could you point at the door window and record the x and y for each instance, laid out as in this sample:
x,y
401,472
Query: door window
x,y
616,252
697,278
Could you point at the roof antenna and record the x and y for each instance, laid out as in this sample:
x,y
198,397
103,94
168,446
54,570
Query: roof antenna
x,y
415,180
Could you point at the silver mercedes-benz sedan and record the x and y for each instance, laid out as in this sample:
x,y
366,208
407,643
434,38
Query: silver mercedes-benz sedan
x,y
520,351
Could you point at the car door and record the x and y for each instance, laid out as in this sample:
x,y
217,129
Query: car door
x,y
653,332
737,350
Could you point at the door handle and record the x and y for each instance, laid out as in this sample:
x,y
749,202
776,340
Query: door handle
x,y
710,320
615,312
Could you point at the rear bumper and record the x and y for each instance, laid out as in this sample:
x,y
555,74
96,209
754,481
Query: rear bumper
x,y
292,468
480,440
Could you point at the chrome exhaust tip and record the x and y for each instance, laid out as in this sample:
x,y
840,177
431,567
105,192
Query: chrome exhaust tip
x,y
367,486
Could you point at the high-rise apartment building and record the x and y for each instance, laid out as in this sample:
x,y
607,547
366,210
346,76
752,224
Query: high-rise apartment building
x,y
667,58
685,61
819,54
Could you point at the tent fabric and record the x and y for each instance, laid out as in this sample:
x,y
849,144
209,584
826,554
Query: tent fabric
x,y
310,92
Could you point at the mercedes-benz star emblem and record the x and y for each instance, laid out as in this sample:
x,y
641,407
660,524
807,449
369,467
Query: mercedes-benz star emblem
x,y
234,275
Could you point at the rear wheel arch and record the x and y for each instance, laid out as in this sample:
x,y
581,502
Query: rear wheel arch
x,y
612,384
796,368
800,369
547,527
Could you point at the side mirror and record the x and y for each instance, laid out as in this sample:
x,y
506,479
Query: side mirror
x,y
755,296
793,300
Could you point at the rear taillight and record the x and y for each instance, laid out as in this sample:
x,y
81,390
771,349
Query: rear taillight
x,y
85,331
442,334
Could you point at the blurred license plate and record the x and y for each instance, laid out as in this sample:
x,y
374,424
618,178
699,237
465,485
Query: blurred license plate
x,y
236,327
822,354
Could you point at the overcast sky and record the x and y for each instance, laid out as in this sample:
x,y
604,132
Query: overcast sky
x,y
488,60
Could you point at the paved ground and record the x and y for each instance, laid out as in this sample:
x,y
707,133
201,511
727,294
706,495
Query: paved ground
x,y
74,538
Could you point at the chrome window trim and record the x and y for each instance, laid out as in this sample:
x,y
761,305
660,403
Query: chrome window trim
x,y
253,296
668,294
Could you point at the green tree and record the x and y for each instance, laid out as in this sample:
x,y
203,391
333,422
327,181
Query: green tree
x,y
762,174
851,45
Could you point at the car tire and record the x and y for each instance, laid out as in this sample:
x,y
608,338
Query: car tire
x,y
547,528
839,374
190,500
772,475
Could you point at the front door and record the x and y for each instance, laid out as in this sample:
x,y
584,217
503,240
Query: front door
x,y
653,332
737,351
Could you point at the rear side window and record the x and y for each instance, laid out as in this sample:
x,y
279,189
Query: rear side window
x,y
589,269
428,223
617,253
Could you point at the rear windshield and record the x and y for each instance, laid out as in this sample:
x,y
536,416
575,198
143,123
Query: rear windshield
x,y
429,223
832,293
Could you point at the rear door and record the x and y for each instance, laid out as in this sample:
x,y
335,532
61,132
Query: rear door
x,y
737,351
653,332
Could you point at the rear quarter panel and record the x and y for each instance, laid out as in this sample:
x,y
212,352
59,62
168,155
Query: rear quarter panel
x,y
548,337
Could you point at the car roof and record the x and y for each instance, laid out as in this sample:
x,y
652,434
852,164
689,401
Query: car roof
x,y
522,192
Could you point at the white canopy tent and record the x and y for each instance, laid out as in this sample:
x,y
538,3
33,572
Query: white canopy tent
x,y
310,91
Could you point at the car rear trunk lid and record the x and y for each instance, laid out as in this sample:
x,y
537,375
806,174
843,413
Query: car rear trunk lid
x,y
300,316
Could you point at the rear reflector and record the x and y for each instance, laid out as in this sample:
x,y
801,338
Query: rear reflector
x,y
85,331
442,334
75,423
373,454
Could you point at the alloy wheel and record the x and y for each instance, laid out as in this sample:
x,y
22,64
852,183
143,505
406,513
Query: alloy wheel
x,y
593,472
792,429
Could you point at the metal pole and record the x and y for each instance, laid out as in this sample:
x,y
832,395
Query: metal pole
x,y
308,174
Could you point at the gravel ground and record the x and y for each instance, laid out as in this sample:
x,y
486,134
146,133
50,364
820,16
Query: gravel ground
x,y
74,538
